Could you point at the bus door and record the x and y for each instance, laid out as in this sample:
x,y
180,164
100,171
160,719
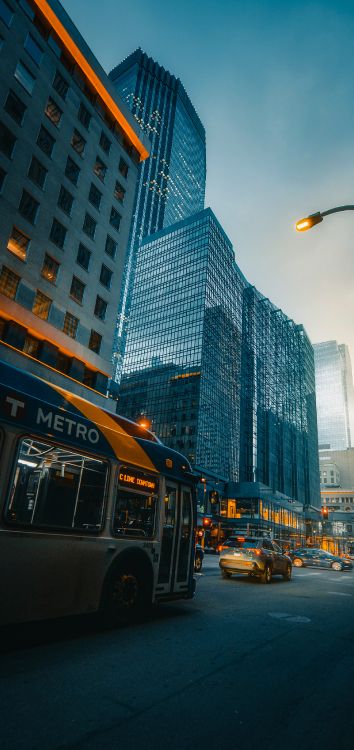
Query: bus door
x,y
177,538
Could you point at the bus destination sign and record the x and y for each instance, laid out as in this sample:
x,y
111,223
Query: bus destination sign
x,y
138,480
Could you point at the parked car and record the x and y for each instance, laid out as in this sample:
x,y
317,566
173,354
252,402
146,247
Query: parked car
x,y
198,558
254,556
319,558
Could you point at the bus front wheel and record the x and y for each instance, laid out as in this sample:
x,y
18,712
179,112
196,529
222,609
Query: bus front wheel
x,y
125,596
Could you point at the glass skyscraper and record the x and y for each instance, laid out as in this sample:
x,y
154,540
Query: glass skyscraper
x,y
225,377
335,396
171,185
182,361
279,445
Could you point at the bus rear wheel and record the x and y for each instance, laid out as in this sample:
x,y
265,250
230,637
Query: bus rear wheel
x,y
125,596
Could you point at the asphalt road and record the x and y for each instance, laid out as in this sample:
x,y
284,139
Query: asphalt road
x,y
243,665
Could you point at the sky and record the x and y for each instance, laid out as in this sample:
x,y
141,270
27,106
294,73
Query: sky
x,y
273,84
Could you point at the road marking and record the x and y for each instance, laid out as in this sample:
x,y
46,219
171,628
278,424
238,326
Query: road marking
x,y
309,574
279,615
338,593
289,618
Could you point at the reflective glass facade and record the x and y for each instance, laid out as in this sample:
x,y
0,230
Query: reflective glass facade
x,y
171,184
335,396
226,378
279,446
183,348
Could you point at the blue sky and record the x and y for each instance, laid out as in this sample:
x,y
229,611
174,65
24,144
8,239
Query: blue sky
x,y
273,83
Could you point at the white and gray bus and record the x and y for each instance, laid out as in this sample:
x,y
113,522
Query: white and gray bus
x,y
96,514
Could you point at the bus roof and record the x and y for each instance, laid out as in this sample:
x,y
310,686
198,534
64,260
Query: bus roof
x,y
47,410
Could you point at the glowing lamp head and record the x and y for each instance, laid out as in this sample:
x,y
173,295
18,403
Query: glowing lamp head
x,y
145,423
309,222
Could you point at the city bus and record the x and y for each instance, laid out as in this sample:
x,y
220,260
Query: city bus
x,y
96,514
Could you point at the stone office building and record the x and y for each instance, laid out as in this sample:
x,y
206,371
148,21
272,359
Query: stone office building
x,y
69,155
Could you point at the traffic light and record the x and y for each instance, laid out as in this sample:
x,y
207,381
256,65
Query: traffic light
x,y
324,512
214,501
206,522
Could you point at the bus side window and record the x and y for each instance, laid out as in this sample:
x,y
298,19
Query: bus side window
x,y
55,487
134,514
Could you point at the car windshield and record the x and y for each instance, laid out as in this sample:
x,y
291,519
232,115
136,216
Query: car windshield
x,y
242,543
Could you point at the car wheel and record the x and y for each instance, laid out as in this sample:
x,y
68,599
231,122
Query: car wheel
x,y
287,574
266,577
225,574
298,562
337,566
124,597
198,564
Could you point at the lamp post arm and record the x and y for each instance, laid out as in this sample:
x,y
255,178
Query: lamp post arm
x,y
336,210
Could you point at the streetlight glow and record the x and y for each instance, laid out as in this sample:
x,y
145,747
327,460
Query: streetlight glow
x,y
309,222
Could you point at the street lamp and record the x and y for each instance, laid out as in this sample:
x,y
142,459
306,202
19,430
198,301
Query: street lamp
x,y
144,422
309,221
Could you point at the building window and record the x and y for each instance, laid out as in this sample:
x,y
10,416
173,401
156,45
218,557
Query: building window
x,y
119,192
89,226
15,107
115,219
9,282
89,93
95,342
105,143
41,305
123,167
65,200
111,246
78,142
6,13
106,276
31,346
100,308
37,173
26,7
63,362
54,46
68,62
7,141
33,49
50,269
18,243
77,290
83,256
28,207
95,196
53,112
24,77
60,85
45,141
72,171
100,169
58,233
70,325
84,116
41,28
2,178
